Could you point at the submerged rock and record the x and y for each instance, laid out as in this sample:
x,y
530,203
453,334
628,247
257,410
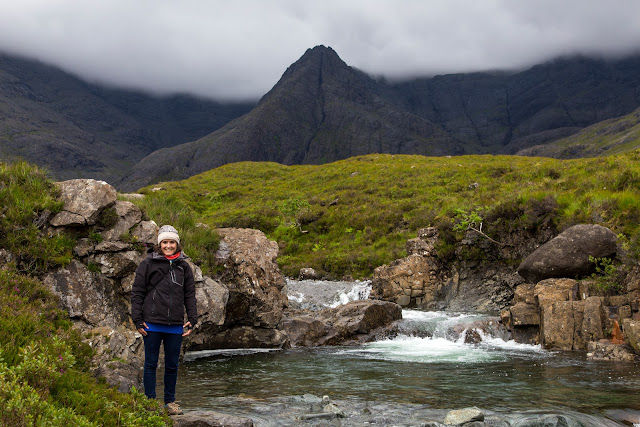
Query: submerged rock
x,y
463,416
210,419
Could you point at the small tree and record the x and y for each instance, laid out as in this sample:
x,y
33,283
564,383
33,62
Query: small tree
x,y
471,221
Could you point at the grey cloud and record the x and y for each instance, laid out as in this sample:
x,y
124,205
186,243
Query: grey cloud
x,y
239,49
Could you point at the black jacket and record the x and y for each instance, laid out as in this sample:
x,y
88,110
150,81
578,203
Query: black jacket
x,y
162,290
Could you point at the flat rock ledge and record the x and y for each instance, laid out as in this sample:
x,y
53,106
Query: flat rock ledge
x,y
209,419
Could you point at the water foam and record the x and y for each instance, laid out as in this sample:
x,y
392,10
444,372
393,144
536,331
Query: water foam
x,y
445,342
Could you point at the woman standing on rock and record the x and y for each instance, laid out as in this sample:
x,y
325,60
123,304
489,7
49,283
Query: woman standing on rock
x,y
162,289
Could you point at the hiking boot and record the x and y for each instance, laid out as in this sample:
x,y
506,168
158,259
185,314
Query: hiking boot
x,y
173,409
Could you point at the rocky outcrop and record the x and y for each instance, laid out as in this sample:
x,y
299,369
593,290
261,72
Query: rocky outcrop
x,y
413,281
241,307
252,276
357,321
566,314
567,255
420,280
84,201
631,329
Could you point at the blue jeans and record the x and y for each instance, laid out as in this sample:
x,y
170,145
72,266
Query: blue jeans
x,y
172,343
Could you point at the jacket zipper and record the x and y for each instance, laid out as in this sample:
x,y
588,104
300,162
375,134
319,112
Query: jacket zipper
x,y
170,286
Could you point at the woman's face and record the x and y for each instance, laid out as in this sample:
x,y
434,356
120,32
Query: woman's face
x,y
168,247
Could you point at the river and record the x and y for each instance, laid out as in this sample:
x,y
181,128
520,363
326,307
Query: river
x,y
412,379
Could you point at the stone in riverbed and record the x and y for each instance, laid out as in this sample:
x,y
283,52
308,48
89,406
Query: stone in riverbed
x,y
462,416
210,419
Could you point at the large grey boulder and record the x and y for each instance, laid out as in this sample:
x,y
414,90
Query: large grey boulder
x,y
355,321
567,255
252,276
84,200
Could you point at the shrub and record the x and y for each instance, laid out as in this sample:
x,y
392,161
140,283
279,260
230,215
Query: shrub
x,y
27,199
605,278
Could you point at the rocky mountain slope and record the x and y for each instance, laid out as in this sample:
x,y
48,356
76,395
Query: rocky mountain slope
x,y
77,129
501,113
611,136
322,110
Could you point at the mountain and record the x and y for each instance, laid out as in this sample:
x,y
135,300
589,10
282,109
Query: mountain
x,y
77,129
501,113
612,136
321,110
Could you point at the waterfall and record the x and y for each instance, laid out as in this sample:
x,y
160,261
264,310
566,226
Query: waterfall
x,y
423,336
319,294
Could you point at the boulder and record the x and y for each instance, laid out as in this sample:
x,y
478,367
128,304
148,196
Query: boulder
x,y
308,273
523,314
303,331
358,321
212,298
145,232
593,320
84,200
567,255
462,416
560,320
209,419
252,276
552,290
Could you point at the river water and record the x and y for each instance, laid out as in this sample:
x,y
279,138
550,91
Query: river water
x,y
412,379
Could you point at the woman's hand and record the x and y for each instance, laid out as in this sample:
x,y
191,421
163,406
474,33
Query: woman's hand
x,y
188,327
143,331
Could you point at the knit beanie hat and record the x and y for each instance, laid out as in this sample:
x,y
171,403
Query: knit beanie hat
x,y
167,232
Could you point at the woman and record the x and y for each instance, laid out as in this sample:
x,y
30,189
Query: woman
x,y
162,289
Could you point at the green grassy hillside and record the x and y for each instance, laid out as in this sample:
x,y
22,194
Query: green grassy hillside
x,y
351,216
613,136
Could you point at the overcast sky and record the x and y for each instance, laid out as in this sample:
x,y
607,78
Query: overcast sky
x,y
238,49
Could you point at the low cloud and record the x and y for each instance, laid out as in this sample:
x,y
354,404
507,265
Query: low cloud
x,y
239,50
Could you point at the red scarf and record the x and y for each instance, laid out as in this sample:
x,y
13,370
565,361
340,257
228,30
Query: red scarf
x,y
172,257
